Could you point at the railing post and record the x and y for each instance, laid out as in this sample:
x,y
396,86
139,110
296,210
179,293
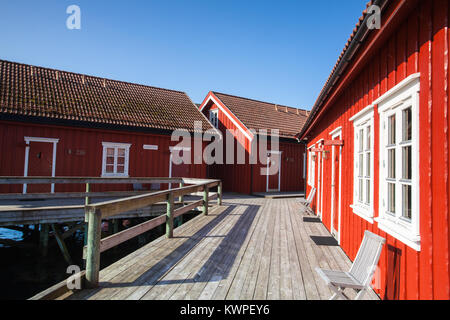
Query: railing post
x,y
205,200
181,197
93,247
219,194
86,202
169,216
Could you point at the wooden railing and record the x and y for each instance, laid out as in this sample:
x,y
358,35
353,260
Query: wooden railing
x,y
96,212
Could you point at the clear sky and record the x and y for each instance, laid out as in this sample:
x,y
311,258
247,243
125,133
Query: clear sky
x,y
275,51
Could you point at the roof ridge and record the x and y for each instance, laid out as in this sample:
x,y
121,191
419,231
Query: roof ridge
x,y
250,99
90,76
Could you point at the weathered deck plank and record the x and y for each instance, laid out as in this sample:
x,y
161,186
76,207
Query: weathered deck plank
x,y
249,248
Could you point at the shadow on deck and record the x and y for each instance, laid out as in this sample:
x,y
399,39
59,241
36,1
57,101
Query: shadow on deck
x,y
249,248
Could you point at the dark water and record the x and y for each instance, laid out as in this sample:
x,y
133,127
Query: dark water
x,y
24,272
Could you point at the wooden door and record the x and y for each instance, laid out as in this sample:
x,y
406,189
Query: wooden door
x,y
336,189
273,183
40,164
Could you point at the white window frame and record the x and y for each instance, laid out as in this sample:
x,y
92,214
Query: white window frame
x,y
311,167
401,97
116,146
362,121
214,118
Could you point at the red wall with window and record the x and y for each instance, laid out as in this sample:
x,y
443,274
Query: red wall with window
x,y
80,152
419,43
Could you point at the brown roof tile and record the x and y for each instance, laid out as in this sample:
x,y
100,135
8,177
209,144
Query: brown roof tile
x,y
35,91
263,115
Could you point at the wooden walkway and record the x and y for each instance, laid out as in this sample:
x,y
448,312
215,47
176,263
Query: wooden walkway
x,y
250,248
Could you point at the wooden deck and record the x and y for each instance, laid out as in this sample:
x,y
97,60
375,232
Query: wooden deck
x,y
250,248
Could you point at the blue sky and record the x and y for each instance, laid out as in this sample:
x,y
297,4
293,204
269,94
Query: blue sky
x,y
275,51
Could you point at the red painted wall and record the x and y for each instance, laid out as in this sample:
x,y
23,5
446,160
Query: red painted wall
x,y
88,162
418,44
247,178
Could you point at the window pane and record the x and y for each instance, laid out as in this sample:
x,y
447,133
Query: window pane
x,y
391,198
368,200
407,163
110,160
406,204
120,169
110,168
110,152
391,163
391,130
407,125
121,161
361,192
361,165
368,138
368,164
361,140
121,152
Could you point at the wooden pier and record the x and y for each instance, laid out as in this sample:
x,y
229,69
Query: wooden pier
x,y
248,248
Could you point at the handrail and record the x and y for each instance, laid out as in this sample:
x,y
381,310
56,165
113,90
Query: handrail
x,y
91,180
95,212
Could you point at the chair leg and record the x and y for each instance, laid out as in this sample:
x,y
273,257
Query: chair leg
x,y
337,293
360,294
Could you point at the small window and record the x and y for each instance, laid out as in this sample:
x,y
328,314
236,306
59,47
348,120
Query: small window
x,y
363,164
214,118
115,159
311,168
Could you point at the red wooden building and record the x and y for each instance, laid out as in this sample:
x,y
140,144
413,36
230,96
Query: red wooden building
x,y
245,119
378,144
56,123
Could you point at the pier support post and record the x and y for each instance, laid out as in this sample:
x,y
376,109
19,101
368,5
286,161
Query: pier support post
x,y
43,240
94,218
219,194
62,245
169,216
205,200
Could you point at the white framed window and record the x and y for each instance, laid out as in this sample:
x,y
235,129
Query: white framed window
x,y
311,167
363,164
214,118
399,162
115,159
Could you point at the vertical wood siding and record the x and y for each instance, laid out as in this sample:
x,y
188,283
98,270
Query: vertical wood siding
x,y
142,163
247,178
419,44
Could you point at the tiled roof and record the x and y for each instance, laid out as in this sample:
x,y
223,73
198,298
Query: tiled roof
x,y
263,115
41,92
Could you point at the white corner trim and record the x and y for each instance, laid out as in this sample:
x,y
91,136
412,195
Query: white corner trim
x,y
245,131
336,131
399,87
36,139
362,113
117,145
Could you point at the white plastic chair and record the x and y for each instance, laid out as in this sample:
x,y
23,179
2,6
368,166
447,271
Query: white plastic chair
x,y
361,273
310,198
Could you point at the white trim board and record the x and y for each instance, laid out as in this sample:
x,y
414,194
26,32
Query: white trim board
x,y
27,157
245,131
